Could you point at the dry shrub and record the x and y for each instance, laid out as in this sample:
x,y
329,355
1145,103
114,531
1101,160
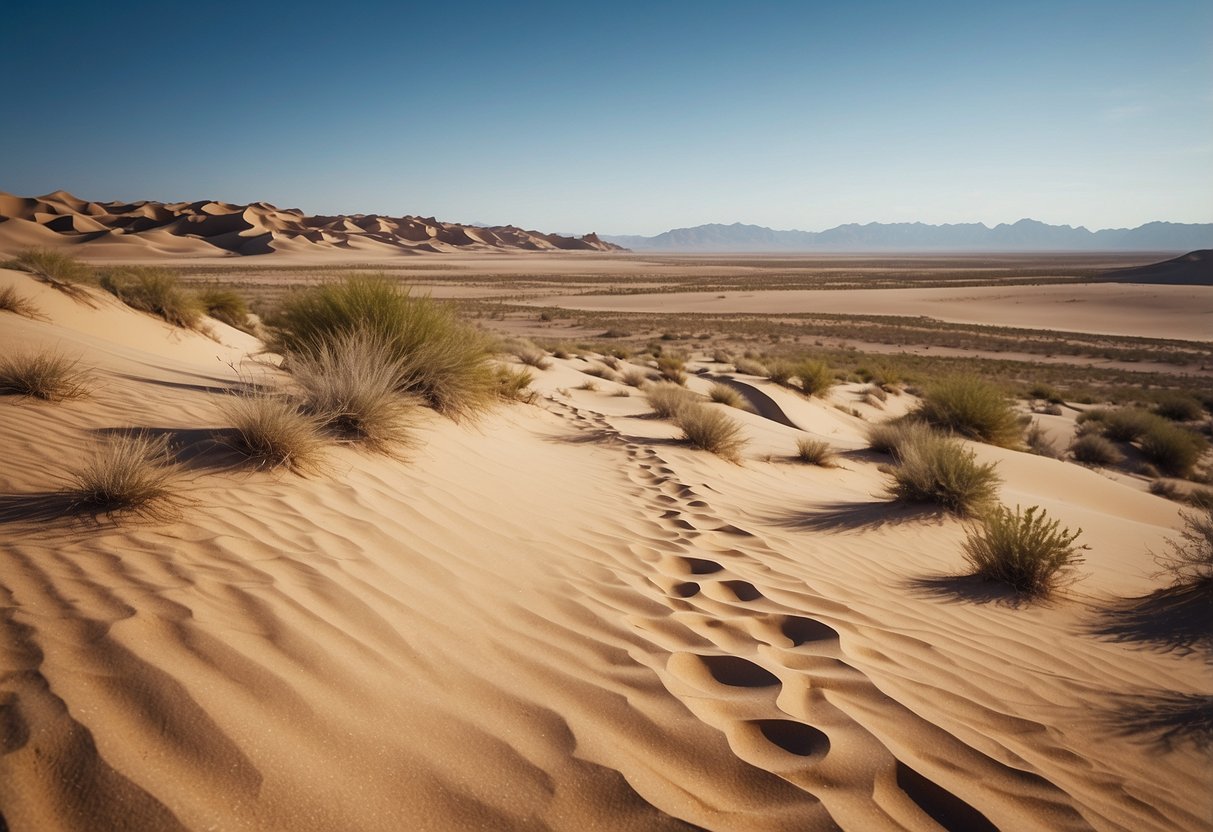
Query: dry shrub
x,y
155,290
600,371
47,376
53,268
711,430
1023,549
814,452
750,367
1039,442
514,385
12,301
1179,408
273,432
1094,449
131,473
973,408
888,437
1126,424
816,378
724,394
940,470
1189,560
667,399
672,369
1174,449
225,305
634,378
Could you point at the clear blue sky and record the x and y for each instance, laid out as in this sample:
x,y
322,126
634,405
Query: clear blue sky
x,y
628,118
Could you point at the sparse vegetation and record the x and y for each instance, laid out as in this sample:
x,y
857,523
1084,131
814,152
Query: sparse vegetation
x,y
750,367
130,473
441,359
1175,450
814,452
12,301
1189,559
1023,549
53,268
514,385
49,376
815,377
667,399
1179,408
711,430
225,305
938,469
634,377
1039,443
726,395
272,431
671,368
1093,449
972,408
889,437
155,290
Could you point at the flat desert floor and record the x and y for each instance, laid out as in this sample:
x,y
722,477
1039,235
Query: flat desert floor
x,y
560,616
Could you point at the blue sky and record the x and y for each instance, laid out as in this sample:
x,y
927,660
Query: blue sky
x,y
625,118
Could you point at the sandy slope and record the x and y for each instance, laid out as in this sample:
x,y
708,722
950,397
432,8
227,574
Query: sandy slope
x,y
560,618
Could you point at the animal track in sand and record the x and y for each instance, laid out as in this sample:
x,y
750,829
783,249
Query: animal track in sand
x,y
794,737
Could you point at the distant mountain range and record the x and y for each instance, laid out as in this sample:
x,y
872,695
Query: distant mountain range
x,y
1025,235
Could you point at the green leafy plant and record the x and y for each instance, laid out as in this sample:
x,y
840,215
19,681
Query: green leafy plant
x,y
1023,549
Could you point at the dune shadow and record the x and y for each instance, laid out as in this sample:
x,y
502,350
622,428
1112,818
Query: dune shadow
x,y
873,514
1163,718
220,387
193,448
1178,618
589,436
40,507
971,588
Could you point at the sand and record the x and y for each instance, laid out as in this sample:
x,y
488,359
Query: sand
x,y
557,618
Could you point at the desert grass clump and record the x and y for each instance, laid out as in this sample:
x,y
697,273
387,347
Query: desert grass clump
x,y
155,290
441,359
1023,549
532,356
667,399
781,372
973,408
225,305
889,437
514,385
634,377
814,452
48,376
1128,424
272,432
938,469
53,268
130,473
12,301
672,368
1039,443
711,430
1093,449
816,378
750,367
1179,408
600,371
1189,559
351,384
1173,449
724,394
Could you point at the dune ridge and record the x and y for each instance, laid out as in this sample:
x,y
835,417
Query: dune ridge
x,y
208,228
561,618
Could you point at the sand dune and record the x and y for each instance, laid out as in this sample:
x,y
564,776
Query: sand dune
x,y
222,229
559,618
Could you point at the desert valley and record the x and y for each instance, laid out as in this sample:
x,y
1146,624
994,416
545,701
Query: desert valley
x,y
390,523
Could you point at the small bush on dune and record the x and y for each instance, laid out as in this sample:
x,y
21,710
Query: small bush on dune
x,y
1164,488
724,394
1201,498
1128,423
352,385
442,359
532,356
1039,443
634,378
1175,450
272,431
889,437
672,369
1023,549
750,367
1093,449
1189,560
815,377
973,408
53,268
940,470
129,473
711,430
154,290
514,385
47,376
225,305
814,452
781,372
667,399
1180,408
11,301
600,371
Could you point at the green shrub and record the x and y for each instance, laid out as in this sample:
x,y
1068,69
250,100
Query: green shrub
x,y
1128,423
271,431
815,377
53,268
351,384
1179,408
47,376
1175,450
129,473
972,408
940,470
11,301
1024,550
667,399
225,305
726,395
711,430
1189,560
1093,449
442,360
814,452
155,290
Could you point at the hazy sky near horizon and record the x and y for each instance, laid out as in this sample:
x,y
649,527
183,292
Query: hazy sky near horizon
x,y
627,118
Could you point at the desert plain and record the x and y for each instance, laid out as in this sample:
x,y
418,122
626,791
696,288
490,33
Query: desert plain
x,y
558,614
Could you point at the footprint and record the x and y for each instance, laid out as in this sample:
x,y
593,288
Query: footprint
x,y
803,630
945,808
794,737
738,673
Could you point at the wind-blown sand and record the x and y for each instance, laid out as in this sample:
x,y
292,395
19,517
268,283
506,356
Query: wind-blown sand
x,y
556,618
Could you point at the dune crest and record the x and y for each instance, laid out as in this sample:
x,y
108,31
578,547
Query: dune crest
x,y
207,228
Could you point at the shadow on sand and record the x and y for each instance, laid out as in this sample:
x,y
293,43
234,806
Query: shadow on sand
x,y
1178,618
867,515
1163,718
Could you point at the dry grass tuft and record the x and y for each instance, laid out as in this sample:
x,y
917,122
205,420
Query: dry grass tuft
x,y
11,301
973,408
711,430
888,437
634,378
1024,550
47,376
1093,449
127,474
514,385
53,268
155,290
724,394
225,305
667,399
814,452
938,469
273,432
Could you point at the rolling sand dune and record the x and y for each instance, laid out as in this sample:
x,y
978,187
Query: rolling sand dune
x,y
559,618
218,229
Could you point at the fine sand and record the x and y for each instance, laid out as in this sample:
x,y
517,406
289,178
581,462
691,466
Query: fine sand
x,y
558,618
